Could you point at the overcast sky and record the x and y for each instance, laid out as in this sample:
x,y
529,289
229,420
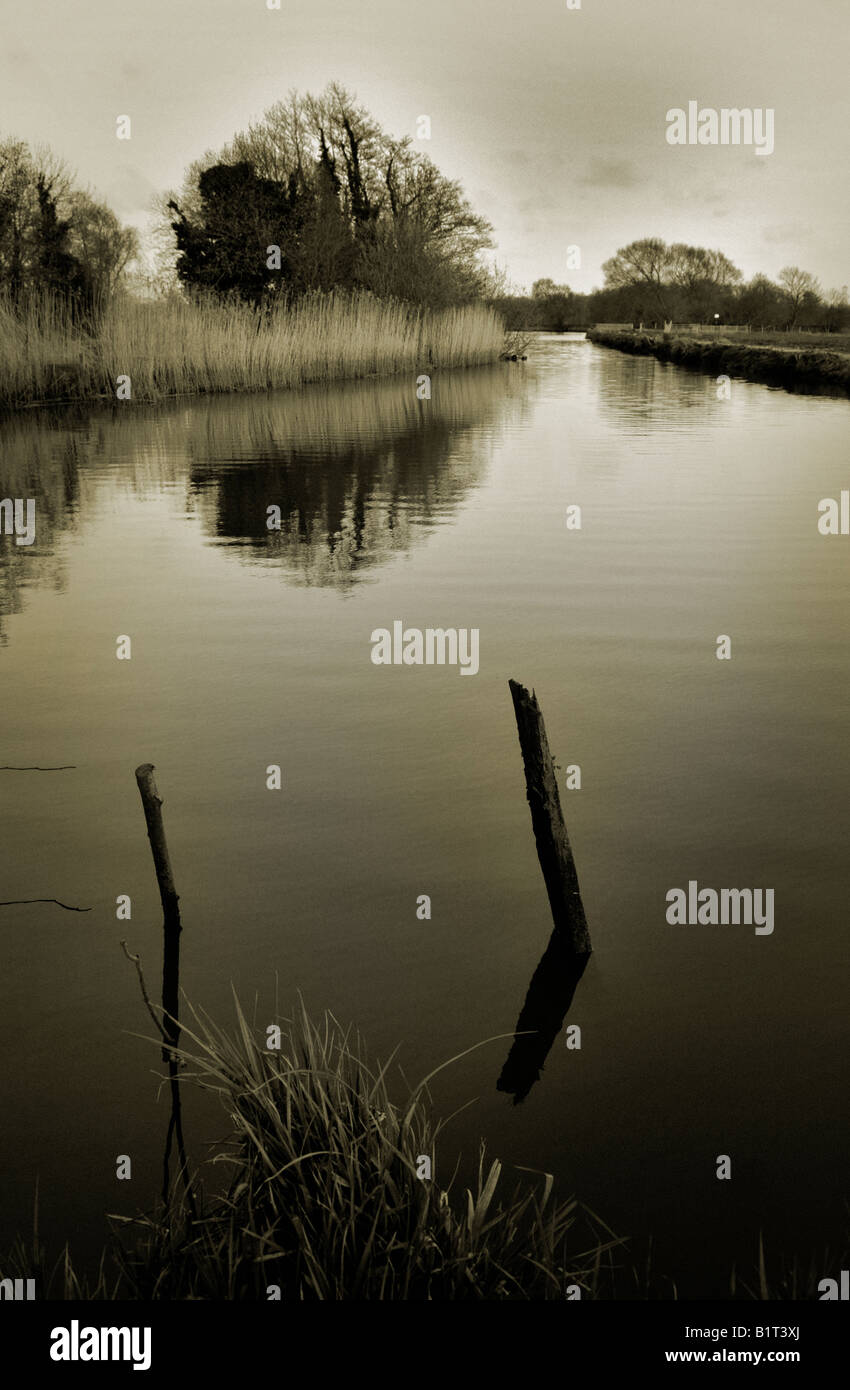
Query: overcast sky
x,y
552,119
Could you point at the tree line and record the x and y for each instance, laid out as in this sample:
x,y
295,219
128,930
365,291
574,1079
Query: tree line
x,y
652,283
316,196
313,196
55,237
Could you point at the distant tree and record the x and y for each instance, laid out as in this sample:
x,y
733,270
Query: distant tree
x,y
53,237
678,281
797,284
836,310
694,266
642,266
545,289
704,280
518,310
102,248
760,303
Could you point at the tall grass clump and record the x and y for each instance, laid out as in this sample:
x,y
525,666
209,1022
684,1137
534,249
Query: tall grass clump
x,y
178,346
43,355
323,1198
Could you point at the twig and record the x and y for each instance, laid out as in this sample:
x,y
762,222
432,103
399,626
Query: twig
x,y
14,902
66,767
137,961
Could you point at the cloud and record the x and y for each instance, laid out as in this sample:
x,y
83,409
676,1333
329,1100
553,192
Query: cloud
x,y
785,231
531,207
610,173
520,158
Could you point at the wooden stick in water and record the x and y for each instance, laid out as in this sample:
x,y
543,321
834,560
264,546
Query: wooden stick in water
x,y
547,819
152,804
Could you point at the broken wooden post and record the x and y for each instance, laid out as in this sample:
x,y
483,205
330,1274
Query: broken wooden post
x,y
168,895
547,819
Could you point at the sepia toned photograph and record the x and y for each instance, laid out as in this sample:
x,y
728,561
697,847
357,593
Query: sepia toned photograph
x,y
424,646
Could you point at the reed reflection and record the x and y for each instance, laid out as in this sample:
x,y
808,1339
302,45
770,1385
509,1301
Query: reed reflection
x,y
360,471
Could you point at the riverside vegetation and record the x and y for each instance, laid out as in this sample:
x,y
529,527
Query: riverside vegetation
x,y
798,364
313,246
324,1201
175,345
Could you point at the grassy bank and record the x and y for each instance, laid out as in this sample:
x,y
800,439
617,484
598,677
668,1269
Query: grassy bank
x,y
324,1200
173,346
797,367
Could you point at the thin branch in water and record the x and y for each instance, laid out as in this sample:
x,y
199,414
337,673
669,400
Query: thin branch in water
x,y
66,767
137,961
15,902
175,1123
175,1128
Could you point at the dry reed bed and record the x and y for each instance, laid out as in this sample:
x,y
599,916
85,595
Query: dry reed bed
x,y
174,346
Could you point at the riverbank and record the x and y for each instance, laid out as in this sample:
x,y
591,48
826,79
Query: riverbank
x,y
150,349
796,367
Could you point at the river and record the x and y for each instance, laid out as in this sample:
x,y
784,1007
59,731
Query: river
x,y
251,647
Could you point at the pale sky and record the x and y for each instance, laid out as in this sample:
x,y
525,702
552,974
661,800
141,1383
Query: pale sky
x,y
554,120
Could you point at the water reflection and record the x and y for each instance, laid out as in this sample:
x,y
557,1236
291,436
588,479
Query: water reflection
x,y
40,461
550,994
646,395
356,475
359,472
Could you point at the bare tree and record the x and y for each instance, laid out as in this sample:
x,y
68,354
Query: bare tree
x,y
643,264
796,284
102,246
52,235
694,266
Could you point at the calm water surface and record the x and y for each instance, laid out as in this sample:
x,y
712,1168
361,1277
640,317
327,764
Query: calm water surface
x,y
251,647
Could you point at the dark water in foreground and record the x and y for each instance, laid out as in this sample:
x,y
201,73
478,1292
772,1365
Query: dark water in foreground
x,y
252,647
